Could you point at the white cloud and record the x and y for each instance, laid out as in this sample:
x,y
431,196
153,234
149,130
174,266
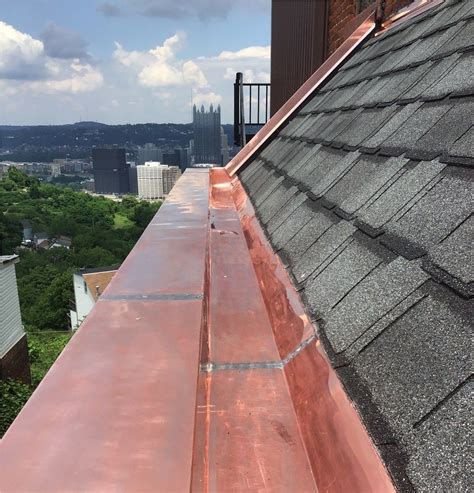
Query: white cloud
x,y
262,52
20,54
207,98
82,78
26,67
160,67
249,75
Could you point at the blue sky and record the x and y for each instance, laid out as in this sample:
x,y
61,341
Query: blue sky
x,y
126,61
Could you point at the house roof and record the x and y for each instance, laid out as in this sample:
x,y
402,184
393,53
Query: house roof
x,y
7,259
98,281
366,195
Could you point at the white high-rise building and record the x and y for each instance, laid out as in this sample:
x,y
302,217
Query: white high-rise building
x,y
155,180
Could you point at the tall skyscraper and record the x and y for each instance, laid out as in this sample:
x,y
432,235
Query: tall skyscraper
x,y
110,171
156,180
207,135
149,152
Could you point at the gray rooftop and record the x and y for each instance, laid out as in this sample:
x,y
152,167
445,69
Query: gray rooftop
x,y
367,196
7,259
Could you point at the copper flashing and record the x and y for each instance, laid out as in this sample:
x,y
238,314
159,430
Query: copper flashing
x,y
300,96
414,9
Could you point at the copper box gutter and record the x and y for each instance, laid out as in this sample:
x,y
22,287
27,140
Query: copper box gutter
x,y
197,370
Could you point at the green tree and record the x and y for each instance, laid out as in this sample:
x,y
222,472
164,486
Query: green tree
x,y
11,234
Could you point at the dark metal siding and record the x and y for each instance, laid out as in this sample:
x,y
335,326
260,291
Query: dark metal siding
x,y
298,45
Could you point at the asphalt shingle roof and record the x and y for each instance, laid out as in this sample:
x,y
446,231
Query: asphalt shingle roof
x,y
367,196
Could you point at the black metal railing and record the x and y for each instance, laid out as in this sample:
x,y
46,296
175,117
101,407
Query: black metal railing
x,y
251,108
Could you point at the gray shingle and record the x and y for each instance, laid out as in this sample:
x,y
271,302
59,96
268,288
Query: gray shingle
x,y
432,76
458,10
339,98
271,184
464,146
325,290
442,459
276,201
357,176
416,126
320,165
304,165
453,259
305,153
301,216
321,249
416,362
294,149
285,213
386,169
429,46
320,182
394,59
400,193
452,125
258,179
294,125
434,217
307,235
466,9
372,298
368,122
285,151
319,124
463,38
398,83
368,87
460,79
397,119
337,125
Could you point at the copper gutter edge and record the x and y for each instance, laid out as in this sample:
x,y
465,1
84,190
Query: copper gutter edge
x,y
339,449
412,10
300,96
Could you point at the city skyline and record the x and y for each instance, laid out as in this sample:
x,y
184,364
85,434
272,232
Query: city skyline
x,y
125,61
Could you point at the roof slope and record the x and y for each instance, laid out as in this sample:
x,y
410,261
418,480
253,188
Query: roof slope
x,y
367,196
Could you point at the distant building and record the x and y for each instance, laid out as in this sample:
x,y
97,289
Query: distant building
x,y
149,152
62,242
41,240
171,159
27,230
133,180
56,167
14,361
207,135
89,284
89,185
110,171
183,157
155,180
